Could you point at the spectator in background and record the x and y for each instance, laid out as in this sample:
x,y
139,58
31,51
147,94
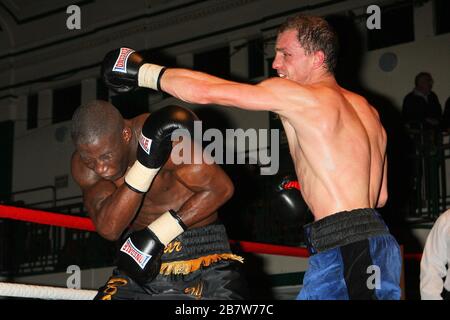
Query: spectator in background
x,y
434,267
421,107
422,114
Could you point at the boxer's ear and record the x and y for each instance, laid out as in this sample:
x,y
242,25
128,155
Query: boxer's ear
x,y
319,59
127,134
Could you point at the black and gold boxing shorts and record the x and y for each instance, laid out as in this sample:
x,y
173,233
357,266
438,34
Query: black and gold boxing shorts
x,y
198,264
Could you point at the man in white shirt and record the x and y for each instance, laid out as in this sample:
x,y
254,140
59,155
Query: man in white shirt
x,y
434,267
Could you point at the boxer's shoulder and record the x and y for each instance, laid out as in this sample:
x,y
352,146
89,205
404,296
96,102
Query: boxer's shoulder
x,y
77,166
82,175
288,89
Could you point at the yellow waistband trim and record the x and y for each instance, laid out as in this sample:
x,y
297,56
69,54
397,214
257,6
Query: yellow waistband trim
x,y
188,266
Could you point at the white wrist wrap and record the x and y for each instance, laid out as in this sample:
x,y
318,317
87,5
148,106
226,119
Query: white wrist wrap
x,y
166,228
148,75
140,177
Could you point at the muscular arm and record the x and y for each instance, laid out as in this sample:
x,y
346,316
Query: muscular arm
x,y
274,94
110,208
211,187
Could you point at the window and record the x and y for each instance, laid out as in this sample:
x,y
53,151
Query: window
x,y
397,26
442,16
32,111
272,72
65,101
215,62
255,58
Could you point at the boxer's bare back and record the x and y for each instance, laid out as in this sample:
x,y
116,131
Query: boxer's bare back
x,y
335,136
336,139
338,146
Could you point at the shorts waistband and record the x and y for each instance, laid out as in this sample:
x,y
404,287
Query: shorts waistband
x,y
197,248
198,242
343,228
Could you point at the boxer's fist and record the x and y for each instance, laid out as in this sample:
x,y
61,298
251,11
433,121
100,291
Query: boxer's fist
x,y
124,69
287,201
155,144
120,69
140,256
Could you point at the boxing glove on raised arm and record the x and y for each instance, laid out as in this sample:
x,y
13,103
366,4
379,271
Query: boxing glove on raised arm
x,y
155,144
124,69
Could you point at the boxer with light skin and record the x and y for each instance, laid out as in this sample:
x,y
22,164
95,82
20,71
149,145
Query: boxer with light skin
x,y
337,143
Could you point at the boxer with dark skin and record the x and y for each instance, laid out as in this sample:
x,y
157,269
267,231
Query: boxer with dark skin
x,y
101,160
195,191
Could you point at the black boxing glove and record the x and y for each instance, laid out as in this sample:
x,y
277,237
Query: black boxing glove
x,y
124,69
140,254
287,200
155,144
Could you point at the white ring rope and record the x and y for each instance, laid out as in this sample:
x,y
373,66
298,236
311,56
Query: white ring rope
x,y
44,292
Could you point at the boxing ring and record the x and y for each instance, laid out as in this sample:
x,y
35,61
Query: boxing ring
x,y
8,289
44,292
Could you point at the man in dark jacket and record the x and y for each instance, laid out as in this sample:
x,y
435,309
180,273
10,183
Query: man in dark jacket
x,y
421,106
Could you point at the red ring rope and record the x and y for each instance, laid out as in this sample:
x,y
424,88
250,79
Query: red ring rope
x,y
68,221
265,248
413,256
48,218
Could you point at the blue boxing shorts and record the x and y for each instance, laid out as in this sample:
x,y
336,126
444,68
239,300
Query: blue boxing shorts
x,y
353,257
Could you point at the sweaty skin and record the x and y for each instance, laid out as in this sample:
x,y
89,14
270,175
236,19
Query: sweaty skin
x,y
195,191
335,136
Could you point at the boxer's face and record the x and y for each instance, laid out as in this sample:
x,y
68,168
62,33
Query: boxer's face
x,y
106,156
291,61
